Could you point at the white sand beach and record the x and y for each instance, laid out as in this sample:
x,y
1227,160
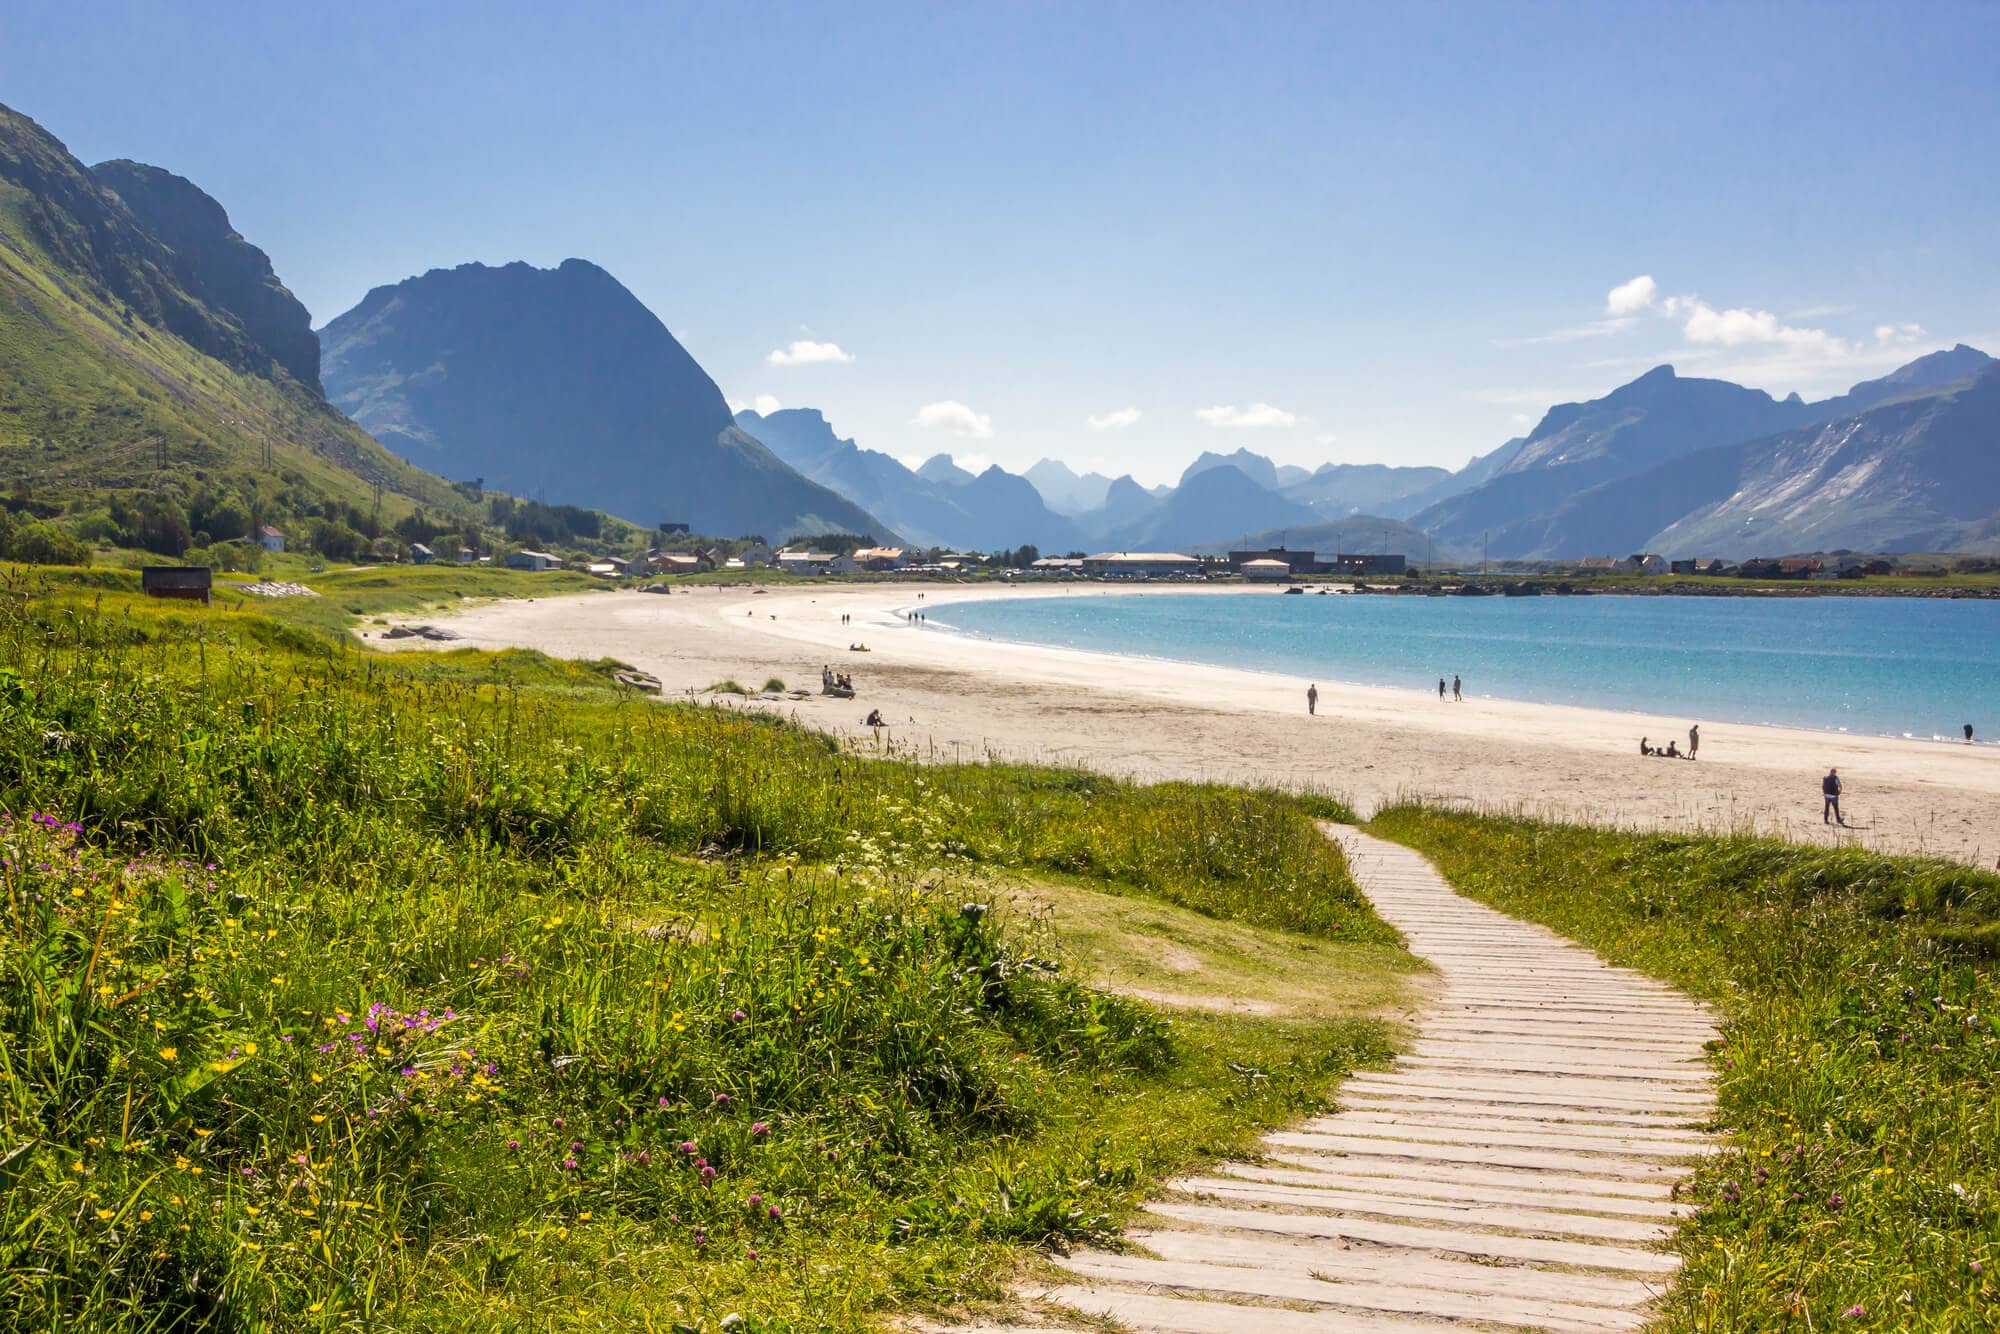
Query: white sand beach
x,y
949,696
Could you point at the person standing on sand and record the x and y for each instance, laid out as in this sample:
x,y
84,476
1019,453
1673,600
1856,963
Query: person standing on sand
x,y
1312,699
1440,687
1694,739
1968,734
1454,689
1829,788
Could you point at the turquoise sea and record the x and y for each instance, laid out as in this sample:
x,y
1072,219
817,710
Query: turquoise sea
x,y
1892,666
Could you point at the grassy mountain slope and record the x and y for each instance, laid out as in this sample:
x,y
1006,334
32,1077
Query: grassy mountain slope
x,y
109,366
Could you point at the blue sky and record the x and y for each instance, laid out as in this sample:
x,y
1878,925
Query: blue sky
x,y
1114,234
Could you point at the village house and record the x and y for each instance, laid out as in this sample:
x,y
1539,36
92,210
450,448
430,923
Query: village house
x,y
189,582
677,562
804,562
1054,567
1597,565
420,554
1141,565
533,560
881,558
1296,562
1265,571
270,538
757,553
1645,562
1700,565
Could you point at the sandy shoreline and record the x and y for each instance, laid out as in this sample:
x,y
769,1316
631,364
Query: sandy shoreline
x,y
956,696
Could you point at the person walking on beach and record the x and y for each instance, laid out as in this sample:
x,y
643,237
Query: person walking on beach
x,y
1440,687
1968,734
1454,689
1312,699
1694,739
1829,788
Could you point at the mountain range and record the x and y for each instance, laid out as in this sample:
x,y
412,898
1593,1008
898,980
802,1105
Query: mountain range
x,y
1628,471
146,345
559,385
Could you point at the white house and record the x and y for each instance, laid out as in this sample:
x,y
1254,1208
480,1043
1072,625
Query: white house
x,y
1266,571
1140,565
804,562
270,538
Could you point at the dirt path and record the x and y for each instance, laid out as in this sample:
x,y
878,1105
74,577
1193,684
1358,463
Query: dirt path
x,y
1514,1168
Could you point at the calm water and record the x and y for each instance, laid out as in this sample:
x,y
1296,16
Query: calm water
x,y
1897,666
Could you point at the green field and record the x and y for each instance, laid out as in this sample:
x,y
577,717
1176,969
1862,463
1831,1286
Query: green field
x,y
469,991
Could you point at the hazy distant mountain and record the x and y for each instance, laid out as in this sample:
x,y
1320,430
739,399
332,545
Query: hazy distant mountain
x,y
1064,491
1126,503
1906,473
1916,473
922,511
1657,417
1290,474
943,469
1364,488
993,511
1209,506
558,385
1254,466
1363,533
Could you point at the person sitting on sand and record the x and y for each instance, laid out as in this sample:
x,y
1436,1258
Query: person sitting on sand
x,y
1645,746
874,718
1673,750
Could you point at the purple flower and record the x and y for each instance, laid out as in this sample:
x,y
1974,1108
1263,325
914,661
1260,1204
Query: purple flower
x,y
722,1100
687,1146
513,1144
739,1016
774,1212
760,1128
1834,1201
756,1201
707,1175
1856,1311
576,1146
569,1164
557,1123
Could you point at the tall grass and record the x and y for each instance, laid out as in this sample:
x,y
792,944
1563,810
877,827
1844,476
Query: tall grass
x,y
460,990
1857,1071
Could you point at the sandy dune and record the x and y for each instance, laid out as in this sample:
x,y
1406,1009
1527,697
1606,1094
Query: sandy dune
x,y
952,696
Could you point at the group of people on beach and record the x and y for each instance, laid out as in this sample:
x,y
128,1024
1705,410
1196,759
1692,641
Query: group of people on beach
x,y
1672,750
1456,692
829,679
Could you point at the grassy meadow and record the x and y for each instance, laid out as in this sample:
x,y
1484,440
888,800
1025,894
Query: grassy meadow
x,y
464,990
1861,999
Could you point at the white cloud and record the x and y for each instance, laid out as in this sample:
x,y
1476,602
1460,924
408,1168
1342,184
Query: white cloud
x,y
953,416
1740,326
806,352
1894,335
1595,329
1325,439
1254,416
1113,421
1820,312
765,404
737,405
1630,297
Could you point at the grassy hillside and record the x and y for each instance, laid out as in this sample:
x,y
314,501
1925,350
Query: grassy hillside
x,y
464,991
114,378
1861,1046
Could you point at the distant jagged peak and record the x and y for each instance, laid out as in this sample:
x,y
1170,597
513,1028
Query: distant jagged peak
x,y
943,469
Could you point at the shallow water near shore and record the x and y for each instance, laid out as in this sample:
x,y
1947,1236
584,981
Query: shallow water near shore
x,y
1885,666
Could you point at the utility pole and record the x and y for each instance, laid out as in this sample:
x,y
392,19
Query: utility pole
x,y
1482,555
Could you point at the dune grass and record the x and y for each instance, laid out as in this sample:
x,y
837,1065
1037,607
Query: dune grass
x,y
462,991
1857,1072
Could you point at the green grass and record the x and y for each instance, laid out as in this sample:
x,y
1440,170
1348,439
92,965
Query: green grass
x,y
1857,1072
589,930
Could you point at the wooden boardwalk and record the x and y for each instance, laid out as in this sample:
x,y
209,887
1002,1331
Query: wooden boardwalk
x,y
1514,1169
